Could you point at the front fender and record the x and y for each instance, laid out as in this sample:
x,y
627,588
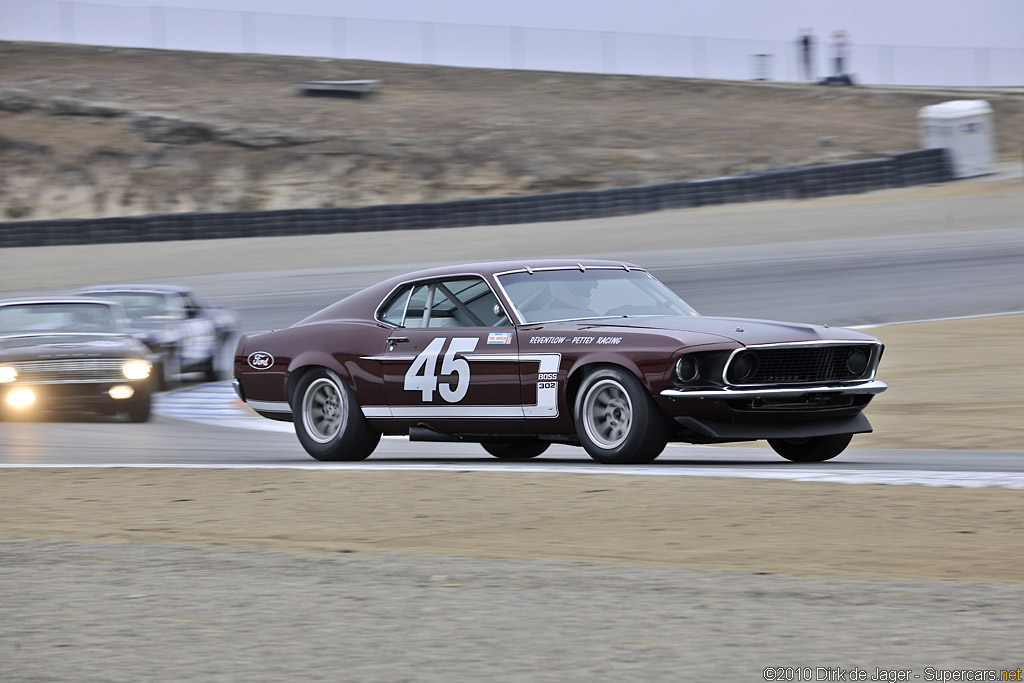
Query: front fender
x,y
607,359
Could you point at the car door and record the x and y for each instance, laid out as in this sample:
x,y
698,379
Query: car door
x,y
198,339
454,359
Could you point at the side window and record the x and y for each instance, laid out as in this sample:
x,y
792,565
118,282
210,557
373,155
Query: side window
x,y
465,302
175,306
394,310
417,306
191,309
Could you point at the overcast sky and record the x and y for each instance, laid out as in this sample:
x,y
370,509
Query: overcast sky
x,y
945,23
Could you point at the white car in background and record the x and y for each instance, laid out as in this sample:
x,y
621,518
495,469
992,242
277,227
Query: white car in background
x,y
185,333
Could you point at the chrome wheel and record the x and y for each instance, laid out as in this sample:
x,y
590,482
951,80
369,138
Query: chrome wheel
x,y
607,414
324,412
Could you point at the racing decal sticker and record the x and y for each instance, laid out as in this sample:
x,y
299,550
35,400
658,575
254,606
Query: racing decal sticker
x,y
547,390
422,374
581,340
499,338
260,360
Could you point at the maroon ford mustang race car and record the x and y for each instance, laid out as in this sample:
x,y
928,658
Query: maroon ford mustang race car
x,y
517,355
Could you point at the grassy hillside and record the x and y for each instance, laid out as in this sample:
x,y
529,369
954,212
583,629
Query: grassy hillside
x,y
89,131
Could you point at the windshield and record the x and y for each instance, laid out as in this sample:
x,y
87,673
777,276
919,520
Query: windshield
x,y
59,318
571,294
139,305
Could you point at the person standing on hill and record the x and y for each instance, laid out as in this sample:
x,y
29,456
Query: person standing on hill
x,y
840,52
805,54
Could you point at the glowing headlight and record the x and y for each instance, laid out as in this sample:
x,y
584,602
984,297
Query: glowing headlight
x,y
7,374
21,398
120,392
136,369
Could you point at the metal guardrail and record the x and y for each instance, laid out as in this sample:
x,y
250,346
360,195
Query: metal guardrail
x,y
917,167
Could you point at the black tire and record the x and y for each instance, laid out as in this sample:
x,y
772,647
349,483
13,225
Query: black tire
x,y
170,370
813,449
616,420
140,406
515,449
328,421
211,371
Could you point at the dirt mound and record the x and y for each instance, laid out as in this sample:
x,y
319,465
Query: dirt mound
x,y
90,131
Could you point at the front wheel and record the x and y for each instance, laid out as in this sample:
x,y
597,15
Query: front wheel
x,y
616,420
140,406
211,369
169,370
812,449
515,449
328,421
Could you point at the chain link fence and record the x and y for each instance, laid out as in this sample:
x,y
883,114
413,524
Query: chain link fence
x,y
500,47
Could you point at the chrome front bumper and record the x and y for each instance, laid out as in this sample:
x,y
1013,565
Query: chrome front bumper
x,y
873,387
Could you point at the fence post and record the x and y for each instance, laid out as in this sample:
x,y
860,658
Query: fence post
x,y
427,44
981,66
158,26
608,54
700,66
248,27
887,65
517,47
338,42
67,22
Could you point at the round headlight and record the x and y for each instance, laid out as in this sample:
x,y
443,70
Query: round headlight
x,y
687,369
742,367
7,374
136,369
857,362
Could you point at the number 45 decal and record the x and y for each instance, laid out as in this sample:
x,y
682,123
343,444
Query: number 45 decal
x,y
422,374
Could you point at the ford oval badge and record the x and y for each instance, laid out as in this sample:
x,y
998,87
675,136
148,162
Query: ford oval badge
x,y
260,360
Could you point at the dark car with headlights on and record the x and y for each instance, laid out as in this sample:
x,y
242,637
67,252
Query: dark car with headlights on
x,y
71,354
517,355
185,333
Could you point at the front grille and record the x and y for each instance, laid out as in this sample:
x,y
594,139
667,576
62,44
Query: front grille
x,y
70,370
800,364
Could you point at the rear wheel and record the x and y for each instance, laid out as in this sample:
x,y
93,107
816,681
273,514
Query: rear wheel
x,y
515,449
812,449
616,420
328,421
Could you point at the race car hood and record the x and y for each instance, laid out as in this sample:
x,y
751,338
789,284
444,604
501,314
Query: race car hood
x,y
49,346
744,331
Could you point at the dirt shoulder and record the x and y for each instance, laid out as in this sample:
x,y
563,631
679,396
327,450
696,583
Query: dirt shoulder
x,y
91,131
951,385
842,530
749,526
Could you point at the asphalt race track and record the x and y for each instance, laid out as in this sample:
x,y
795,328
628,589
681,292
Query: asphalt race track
x,y
841,282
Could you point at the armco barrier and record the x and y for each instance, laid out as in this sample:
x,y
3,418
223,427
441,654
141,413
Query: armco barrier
x,y
906,168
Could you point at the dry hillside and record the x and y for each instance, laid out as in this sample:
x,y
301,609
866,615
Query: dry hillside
x,y
90,131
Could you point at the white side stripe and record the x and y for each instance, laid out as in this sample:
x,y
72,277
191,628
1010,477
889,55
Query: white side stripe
x,y
547,397
444,411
